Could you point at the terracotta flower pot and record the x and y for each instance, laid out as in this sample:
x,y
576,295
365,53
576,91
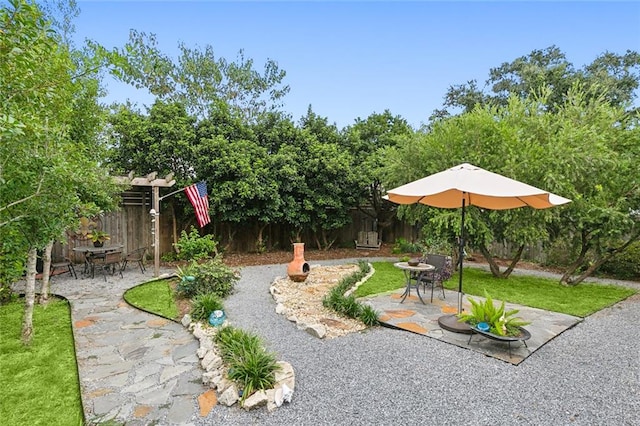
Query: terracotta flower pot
x,y
298,268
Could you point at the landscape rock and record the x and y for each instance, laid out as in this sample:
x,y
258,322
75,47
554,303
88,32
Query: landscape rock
x,y
258,399
316,330
229,396
186,320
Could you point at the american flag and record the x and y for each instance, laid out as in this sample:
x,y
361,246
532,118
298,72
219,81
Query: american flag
x,y
197,194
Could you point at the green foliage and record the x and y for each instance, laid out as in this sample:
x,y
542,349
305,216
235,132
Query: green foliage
x,y
403,246
211,276
204,304
154,296
369,316
626,265
348,306
194,247
50,359
169,257
614,76
12,262
249,363
501,322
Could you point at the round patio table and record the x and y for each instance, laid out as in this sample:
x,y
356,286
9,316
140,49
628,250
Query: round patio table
x,y
413,273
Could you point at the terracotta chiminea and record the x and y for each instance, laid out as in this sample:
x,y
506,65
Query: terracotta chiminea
x,y
298,269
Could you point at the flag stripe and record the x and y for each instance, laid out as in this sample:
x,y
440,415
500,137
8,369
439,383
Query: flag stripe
x,y
197,194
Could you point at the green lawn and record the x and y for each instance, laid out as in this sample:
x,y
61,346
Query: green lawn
x,y
154,296
39,383
581,300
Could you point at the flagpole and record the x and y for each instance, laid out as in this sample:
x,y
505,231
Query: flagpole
x,y
155,213
171,193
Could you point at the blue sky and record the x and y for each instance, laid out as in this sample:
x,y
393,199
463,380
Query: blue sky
x,y
351,59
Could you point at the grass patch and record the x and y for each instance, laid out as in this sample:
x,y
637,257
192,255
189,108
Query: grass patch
x,y
154,296
39,383
581,300
386,278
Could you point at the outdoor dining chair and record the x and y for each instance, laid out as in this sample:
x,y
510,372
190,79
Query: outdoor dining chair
x,y
64,266
442,272
136,255
110,262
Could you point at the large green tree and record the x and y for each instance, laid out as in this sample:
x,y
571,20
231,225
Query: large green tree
x,y
45,175
198,79
616,77
584,150
367,140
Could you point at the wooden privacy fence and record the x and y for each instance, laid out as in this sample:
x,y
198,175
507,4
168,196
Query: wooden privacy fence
x,y
131,227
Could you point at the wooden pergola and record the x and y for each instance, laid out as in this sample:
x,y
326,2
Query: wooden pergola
x,y
151,180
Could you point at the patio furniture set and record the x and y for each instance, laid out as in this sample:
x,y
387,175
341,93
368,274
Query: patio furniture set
x,y
431,271
107,259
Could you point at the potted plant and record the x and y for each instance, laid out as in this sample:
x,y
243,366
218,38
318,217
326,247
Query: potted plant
x,y
488,318
98,237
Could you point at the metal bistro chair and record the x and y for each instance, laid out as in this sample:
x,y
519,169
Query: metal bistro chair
x,y
442,272
136,255
109,262
64,266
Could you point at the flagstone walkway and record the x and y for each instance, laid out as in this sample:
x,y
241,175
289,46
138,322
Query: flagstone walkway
x,y
134,367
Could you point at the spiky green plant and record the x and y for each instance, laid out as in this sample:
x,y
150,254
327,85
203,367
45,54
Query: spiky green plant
x,y
501,322
249,363
369,316
204,304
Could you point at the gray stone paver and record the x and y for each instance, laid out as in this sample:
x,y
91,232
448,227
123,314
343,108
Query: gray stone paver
x,y
134,367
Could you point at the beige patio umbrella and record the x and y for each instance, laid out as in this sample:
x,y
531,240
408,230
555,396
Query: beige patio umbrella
x,y
469,185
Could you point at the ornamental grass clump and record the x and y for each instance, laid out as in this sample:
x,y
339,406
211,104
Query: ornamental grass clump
x,y
501,322
204,304
348,305
249,364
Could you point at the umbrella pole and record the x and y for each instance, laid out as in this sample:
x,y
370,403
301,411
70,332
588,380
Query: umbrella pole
x,y
461,257
450,322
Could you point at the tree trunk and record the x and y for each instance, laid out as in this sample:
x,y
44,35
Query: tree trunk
x,y
514,262
493,266
599,262
566,277
326,241
260,246
29,297
46,269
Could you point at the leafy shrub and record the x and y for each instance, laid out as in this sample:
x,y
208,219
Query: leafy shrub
x,y
204,304
559,253
625,265
211,276
169,257
12,263
192,246
403,246
436,245
249,363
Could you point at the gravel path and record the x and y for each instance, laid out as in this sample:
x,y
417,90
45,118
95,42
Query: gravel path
x,y
589,375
